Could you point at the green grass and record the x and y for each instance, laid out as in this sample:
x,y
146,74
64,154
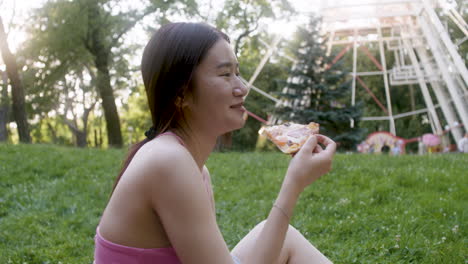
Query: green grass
x,y
369,209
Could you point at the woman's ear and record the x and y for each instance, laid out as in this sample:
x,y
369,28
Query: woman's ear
x,y
187,99
179,102
183,102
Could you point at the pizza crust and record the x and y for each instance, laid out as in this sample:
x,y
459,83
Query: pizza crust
x,y
289,137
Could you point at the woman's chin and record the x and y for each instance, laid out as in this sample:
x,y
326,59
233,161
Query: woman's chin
x,y
241,125
236,126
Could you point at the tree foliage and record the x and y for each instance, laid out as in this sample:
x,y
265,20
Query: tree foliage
x,y
316,90
83,38
241,18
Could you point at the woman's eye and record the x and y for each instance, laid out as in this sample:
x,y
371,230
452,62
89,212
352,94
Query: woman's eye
x,y
226,74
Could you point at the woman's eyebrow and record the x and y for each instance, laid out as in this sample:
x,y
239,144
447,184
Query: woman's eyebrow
x,y
226,64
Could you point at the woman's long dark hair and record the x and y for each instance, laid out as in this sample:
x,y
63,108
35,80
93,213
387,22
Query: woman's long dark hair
x,y
168,63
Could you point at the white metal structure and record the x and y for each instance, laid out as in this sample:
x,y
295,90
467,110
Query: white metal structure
x,y
423,53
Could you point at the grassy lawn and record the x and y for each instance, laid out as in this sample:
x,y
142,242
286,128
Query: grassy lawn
x,y
369,209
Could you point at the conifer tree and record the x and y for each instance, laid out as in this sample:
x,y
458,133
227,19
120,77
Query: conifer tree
x,y
319,91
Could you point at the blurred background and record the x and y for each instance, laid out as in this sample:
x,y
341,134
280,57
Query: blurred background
x,y
70,69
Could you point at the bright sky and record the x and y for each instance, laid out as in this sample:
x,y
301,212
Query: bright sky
x,y
17,10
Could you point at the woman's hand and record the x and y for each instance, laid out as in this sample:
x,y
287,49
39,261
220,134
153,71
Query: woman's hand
x,y
311,161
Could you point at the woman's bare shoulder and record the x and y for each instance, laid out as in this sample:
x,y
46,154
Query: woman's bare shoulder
x,y
161,149
160,158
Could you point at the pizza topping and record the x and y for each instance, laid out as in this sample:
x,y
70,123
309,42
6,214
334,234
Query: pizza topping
x,y
282,138
297,133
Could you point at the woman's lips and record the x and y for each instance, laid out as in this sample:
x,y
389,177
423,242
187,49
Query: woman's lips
x,y
239,106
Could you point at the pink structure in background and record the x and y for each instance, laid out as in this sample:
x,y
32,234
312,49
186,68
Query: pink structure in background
x,y
431,140
376,141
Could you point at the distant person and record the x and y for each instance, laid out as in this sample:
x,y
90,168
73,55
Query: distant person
x,y
396,150
162,209
463,144
400,147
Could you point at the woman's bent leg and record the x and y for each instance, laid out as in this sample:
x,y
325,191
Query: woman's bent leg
x,y
246,246
296,249
302,251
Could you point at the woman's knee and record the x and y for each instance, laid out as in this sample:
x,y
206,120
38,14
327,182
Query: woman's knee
x,y
291,234
243,249
262,223
296,247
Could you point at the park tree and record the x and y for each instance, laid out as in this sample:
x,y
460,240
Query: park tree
x,y
78,96
17,91
318,90
242,18
71,36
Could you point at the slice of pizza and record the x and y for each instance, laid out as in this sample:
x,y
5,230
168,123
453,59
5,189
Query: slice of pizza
x,y
289,137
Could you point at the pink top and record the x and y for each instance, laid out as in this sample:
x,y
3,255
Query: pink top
x,y
106,252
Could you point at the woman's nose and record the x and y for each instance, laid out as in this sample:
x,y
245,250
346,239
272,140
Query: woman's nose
x,y
240,89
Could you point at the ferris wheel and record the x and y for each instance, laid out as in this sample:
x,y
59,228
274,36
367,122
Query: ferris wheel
x,y
423,55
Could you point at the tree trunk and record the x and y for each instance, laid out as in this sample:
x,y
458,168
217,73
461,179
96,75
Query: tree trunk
x,y
81,139
19,110
52,132
100,137
114,134
101,54
4,108
95,138
80,136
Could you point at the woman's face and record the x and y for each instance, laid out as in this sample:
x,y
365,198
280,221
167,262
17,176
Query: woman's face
x,y
216,101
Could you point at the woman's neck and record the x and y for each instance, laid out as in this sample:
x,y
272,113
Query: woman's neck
x,y
199,144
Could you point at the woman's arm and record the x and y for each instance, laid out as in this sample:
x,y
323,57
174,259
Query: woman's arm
x,y
179,197
308,165
205,169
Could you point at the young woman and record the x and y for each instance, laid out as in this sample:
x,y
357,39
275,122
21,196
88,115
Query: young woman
x,y
162,208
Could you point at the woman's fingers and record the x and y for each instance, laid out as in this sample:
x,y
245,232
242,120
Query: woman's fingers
x,y
323,139
310,145
329,144
318,149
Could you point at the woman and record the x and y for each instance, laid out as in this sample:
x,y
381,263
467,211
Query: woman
x,y
162,209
